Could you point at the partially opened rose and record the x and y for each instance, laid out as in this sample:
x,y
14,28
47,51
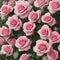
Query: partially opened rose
x,y
55,37
11,41
48,19
54,6
28,28
7,49
22,8
23,43
41,47
5,32
44,32
5,10
14,23
34,16
52,55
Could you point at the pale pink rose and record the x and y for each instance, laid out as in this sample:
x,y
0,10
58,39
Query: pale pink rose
x,y
52,54
54,6
14,23
41,47
34,16
4,3
5,31
11,41
7,49
11,3
31,1
1,40
5,10
44,32
22,8
24,57
23,43
47,18
59,47
28,28
41,3
55,37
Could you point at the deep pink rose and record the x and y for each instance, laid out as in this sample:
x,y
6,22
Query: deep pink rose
x,y
47,18
34,16
14,23
23,43
44,32
41,47
7,49
22,8
28,28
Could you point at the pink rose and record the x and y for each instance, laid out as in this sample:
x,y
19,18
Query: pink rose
x,y
23,43
47,18
59,47
44,32
52,55
4,3
11,3
22,8
5,31
1,41
31,1
55,37
54,6
7,49
41,47
34,16
24,57
14,23
11,41
41,3
28,28
5,10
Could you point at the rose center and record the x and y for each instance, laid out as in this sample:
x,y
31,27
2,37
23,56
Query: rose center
x,y
55,5
29,27
42,47
22,42
44,32
5,32
13,23
34,16
48,18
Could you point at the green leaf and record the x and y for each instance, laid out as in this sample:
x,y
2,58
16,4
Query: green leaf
x,y
16,54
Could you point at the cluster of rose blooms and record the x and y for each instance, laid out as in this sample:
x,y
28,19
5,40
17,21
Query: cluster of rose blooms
x,y
23,9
